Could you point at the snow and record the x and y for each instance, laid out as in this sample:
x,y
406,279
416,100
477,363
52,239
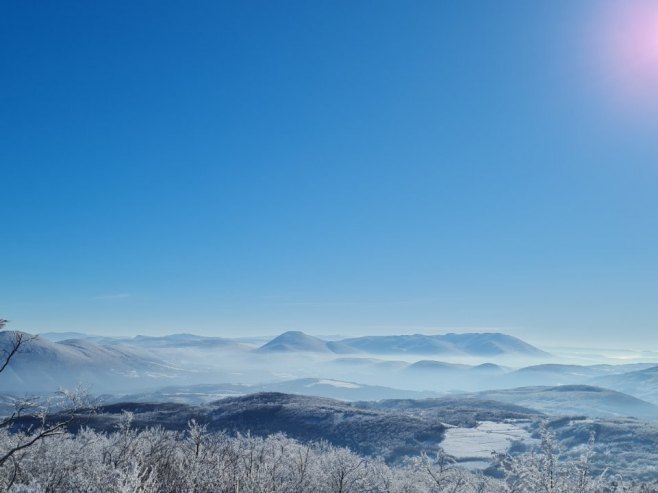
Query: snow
x,y
477,444
335,383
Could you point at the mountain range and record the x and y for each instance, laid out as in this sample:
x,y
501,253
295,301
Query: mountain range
x,y
469,344
408,363
484,344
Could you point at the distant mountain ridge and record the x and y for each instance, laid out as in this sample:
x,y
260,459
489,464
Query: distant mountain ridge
x,y
468,344
480,344
471,344
170,340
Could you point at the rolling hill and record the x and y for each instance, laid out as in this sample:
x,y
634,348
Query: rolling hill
x,y
317,387
43,366
584,400
367,431
642,383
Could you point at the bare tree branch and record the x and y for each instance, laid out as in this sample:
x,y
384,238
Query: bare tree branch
x,y
55,429
13,349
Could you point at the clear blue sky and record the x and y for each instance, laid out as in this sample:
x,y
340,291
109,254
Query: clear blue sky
x,y
349,167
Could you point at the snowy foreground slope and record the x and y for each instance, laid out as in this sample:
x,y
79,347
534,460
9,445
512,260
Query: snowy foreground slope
x,y
157,460
469,429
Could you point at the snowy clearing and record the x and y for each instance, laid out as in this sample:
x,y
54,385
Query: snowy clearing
x,y
335,383
477,444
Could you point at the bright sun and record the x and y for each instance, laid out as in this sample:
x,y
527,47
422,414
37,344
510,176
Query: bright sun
x,y
630,34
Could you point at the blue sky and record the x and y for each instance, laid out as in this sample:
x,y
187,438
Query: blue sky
x,y
237,168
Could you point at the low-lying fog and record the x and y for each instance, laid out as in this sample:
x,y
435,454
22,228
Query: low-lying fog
x,y
406,366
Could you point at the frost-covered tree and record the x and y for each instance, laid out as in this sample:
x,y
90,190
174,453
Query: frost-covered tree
x,y
547,471
14,445
155,460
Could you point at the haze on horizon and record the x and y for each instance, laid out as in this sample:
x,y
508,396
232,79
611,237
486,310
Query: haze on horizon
x,y
238,169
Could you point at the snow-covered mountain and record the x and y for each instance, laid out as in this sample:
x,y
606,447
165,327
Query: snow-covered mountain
x,y
43,365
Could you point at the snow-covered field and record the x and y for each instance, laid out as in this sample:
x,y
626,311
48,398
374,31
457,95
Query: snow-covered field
x,y
473,446
335,383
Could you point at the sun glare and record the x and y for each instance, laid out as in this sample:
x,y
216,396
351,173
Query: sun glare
x,y
630,42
